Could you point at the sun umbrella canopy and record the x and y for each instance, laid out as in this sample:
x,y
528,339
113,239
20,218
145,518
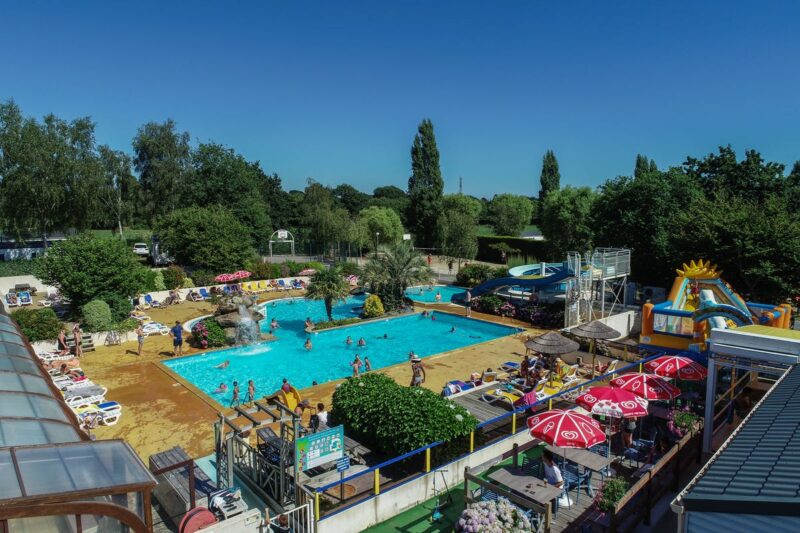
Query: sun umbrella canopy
x,y
676,366
647,386
241,274
307,272
595,330
552,343
224,278
612,401
566,429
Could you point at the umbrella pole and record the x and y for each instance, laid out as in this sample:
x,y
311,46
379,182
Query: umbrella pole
x,y
594,354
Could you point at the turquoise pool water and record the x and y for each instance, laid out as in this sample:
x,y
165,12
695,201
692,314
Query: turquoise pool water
x,y
268,363
427,293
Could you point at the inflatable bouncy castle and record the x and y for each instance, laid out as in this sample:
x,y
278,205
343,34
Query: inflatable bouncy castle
x,y
700,300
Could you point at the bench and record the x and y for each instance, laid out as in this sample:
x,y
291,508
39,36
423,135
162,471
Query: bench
x,y
172,492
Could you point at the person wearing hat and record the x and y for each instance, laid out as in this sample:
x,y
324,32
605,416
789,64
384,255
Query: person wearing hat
x,y
177,338
301,407
417,372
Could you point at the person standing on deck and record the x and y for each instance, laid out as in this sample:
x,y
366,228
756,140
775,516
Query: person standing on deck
x,y
76,336
177,338
417,372
468,306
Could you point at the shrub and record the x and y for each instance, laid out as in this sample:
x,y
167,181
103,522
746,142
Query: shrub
x,y
316,265
261,270
208,334
97,316
613,490
500,516
18,267
472,275
285,271
488,303
373,306
173,277
120,307
499,272
188,283
335,323
202,278
150,281
37,324
129,324
348,268
394,419
158,281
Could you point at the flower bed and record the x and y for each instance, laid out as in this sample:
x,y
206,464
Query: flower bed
x,y
493,516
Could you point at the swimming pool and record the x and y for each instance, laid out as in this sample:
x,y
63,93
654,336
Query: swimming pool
x,y
267,363
427,293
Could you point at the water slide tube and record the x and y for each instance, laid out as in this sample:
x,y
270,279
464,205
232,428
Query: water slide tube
x,y
553,274
717,313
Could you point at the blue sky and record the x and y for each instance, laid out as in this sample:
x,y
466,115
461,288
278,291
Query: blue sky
x,y
334,90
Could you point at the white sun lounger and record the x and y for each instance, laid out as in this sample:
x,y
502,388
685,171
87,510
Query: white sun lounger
x,y
52,357
85,397
155,328
107,413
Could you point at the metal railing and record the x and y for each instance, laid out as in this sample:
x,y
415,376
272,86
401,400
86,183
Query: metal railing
x,y
422,460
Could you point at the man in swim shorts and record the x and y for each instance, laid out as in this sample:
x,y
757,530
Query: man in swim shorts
x,y
417,372
177,338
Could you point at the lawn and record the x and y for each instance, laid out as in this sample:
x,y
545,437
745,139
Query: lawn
x,y
131,235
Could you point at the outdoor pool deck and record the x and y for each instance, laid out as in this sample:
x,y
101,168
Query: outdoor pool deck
x,y
161,411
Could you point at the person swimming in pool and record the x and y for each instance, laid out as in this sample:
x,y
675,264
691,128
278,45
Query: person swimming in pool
x,y
222,388
274,325
356,364
438,296
349,340
361,342
223,365
307,345
453,329
384,336
367,364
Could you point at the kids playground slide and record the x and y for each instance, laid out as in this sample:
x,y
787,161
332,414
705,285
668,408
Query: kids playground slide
x,y
525,277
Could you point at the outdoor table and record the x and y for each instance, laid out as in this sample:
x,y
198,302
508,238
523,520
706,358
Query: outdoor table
x,y
518,480
584,458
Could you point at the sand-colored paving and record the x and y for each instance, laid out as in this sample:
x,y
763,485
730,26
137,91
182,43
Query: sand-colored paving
x,y
160,411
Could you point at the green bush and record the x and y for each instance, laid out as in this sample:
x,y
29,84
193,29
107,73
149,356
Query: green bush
x,y
202,278
373,306
97,316
316,265
261,270
613,490
393,419
472,275
208,334
150,281
292,268
120,307
335,323
349,268
37,324
488,303
20,267
158,281
123,326
188,283
173,277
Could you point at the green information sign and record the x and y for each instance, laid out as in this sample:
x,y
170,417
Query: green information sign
x,y
319,448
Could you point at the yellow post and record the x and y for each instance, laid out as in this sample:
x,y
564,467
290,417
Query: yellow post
x,y
377,473
316,506
428,460
513,423
640,367
550,403
471,441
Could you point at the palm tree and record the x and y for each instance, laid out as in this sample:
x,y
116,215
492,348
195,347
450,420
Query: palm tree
x,y
328,285
390,274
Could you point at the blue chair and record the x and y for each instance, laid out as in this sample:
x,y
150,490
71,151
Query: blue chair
x,y
204,294
532,466
488,495
574,479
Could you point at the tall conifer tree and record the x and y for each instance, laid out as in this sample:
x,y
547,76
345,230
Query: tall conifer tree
x,y
425,186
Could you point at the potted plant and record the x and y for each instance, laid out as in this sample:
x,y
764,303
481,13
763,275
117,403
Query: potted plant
x,y
681,421
612,492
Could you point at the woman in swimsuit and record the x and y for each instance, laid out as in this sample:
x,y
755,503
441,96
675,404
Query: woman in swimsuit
x,y
77,334
62,342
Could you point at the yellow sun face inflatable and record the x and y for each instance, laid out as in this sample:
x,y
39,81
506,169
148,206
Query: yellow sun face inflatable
x,y
699,270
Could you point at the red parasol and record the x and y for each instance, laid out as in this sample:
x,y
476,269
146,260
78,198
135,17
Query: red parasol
x,y
224,278
611,401
566,429
241,274
307,272
648,386
675,366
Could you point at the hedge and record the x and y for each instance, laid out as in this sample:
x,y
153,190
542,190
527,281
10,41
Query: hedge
x,y
97,316
394,419
37,324
533,251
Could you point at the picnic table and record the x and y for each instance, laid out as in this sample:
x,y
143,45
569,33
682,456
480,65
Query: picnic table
x,y
590,460
519,480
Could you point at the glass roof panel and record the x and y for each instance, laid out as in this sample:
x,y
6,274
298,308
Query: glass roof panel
x,y
17,364
5,326
8,348
9,488
23,383
84,466
16,432
25,405
8,336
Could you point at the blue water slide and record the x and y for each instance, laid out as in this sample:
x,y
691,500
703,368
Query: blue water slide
x,y
557,275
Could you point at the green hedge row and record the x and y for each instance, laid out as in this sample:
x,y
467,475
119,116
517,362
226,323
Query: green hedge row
x,y
531,250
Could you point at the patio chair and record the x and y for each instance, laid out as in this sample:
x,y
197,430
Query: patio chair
x,y
282,285
204,293
150,302
107,413
25,298
462,385
510,366
505,397
532,466
12,300
574,479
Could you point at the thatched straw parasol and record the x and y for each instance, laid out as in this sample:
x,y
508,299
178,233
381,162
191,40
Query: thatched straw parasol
x,y
595,330
552,343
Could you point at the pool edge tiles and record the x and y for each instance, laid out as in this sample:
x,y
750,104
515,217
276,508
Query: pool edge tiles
x,y
199,378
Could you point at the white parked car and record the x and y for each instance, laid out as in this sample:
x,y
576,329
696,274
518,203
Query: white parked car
x,y
140,248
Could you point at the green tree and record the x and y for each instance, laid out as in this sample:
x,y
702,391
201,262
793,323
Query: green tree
x,y
120,190
722,173
379,224
350,198
222,177
510,214
458,226
329,286
550,178
643,166
567,220
464,204
389,274
394,198
162,159
324,223
210,238
49,173
84,268
425,186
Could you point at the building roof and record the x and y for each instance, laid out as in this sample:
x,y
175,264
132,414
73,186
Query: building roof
x,y
757,471
781,333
